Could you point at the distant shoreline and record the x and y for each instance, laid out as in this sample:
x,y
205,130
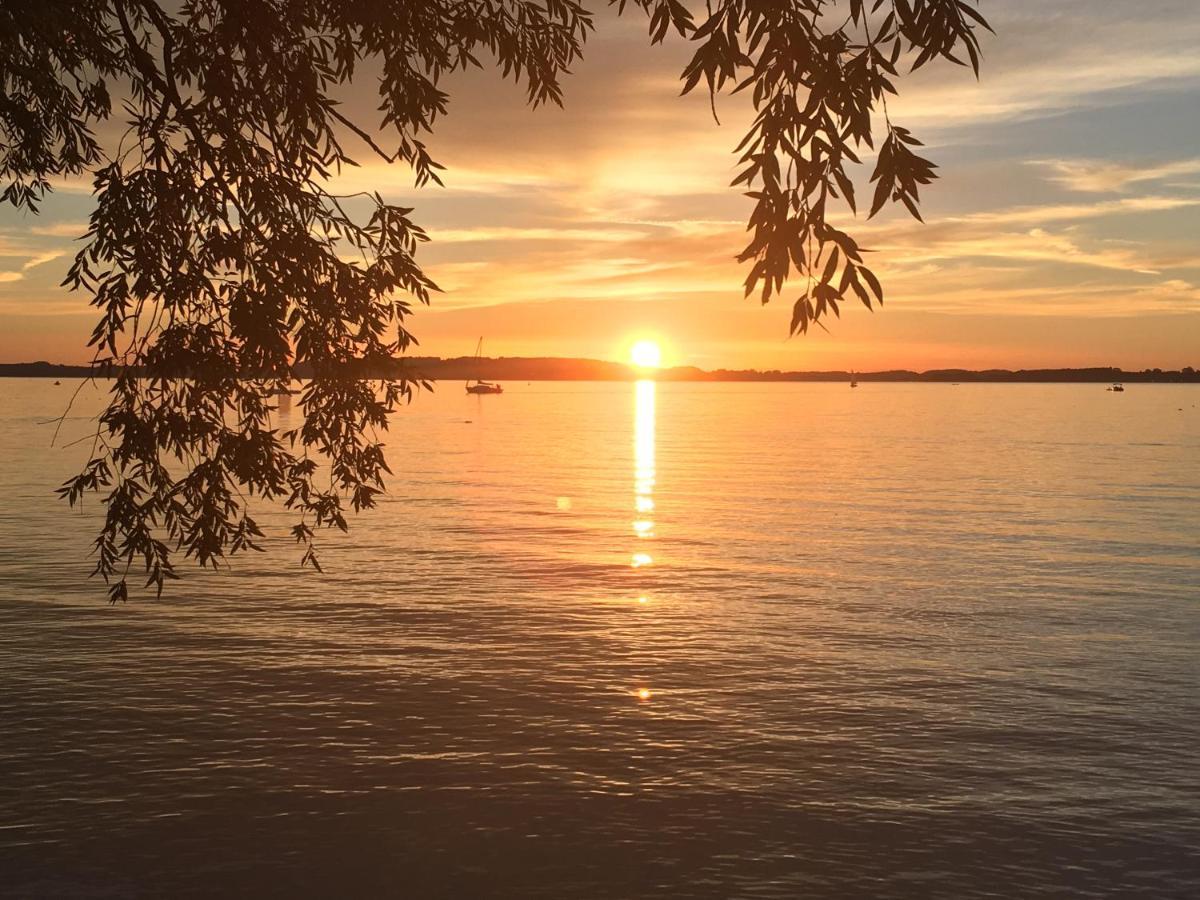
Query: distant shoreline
x,y
556,369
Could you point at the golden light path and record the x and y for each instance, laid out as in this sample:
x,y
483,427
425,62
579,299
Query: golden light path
x,y
644,353
643,457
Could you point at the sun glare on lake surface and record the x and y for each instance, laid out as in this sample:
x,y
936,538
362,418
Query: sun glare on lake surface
x,y
646,354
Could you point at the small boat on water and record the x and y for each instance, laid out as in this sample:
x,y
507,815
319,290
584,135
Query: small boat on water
x,y
1117,388
480,386
853,380
58,382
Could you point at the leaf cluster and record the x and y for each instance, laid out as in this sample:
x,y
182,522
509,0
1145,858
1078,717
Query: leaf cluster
x,y
818,73
222,266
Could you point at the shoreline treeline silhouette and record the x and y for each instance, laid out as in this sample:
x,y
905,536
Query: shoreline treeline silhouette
x,y
534,368
217,246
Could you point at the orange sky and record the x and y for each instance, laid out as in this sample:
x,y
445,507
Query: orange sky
x,y
1062,232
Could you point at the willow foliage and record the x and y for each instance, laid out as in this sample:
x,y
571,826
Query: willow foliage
x,y
221,265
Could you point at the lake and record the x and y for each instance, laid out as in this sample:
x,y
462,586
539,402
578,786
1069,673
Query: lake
x,y
637,640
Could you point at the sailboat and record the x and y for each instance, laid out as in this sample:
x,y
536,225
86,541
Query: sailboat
x,y
481,387
853,380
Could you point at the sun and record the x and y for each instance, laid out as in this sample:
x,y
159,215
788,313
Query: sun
x,y
646,354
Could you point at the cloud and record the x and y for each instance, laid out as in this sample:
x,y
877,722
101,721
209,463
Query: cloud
x,y
580,235
1084,299
42,258
890,227
1102,176
1047,59
501,178
693,227
1052,234
30,263
71,184
61,229
1077,211
1038,90
1036,245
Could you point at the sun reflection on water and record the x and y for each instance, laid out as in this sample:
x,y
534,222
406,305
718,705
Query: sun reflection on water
x,y
643,456
643,466
644,474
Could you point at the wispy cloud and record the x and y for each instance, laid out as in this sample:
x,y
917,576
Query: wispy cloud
x,y
43,258
1049,59
31,262
574,235
1102,176
72,229
1036,245
1062,212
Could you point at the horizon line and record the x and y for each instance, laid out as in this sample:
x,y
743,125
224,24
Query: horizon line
x,y
551,368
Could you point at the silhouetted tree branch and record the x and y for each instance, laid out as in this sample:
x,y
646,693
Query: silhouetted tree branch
x,y
217,257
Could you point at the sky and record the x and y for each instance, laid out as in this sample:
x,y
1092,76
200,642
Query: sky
x,y
1064,230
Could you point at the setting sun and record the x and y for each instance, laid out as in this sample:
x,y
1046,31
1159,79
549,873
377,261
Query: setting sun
x,y
646,354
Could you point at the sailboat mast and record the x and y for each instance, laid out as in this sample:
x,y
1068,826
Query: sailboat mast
x,y
478,359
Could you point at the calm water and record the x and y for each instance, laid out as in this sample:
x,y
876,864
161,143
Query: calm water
x,y
907,640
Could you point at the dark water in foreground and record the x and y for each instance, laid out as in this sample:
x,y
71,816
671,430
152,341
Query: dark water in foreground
x,y
909,640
